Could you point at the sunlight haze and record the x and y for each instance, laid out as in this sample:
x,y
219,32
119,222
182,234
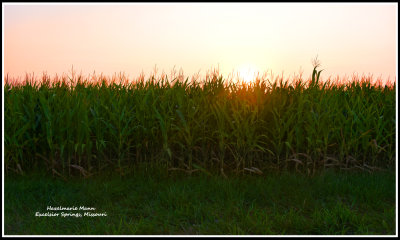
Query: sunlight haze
x,y
195,37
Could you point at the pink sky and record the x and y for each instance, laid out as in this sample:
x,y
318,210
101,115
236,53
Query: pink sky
x,y
131,38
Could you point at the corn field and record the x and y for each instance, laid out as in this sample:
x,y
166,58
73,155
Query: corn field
x,y
77,126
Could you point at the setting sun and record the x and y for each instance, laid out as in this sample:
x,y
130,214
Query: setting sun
x,y
247,73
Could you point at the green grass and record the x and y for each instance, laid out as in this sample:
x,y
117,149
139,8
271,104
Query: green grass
x,y
81,127
151,202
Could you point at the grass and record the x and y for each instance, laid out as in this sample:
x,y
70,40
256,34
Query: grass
x,y
77,126
149,202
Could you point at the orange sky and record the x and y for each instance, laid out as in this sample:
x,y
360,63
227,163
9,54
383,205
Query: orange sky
x,y
131,38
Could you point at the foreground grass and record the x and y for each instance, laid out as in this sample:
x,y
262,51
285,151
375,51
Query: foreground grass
x,y
154,203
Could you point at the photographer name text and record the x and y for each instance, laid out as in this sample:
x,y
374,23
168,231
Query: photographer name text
x,y
60,211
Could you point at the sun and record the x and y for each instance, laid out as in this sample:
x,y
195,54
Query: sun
x,y
247,73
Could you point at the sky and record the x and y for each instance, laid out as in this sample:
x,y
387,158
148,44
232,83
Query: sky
x,y
243,38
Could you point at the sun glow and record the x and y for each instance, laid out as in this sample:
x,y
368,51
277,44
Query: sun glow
x,y
247,73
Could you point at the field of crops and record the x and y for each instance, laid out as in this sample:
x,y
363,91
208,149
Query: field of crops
x,y
71,126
